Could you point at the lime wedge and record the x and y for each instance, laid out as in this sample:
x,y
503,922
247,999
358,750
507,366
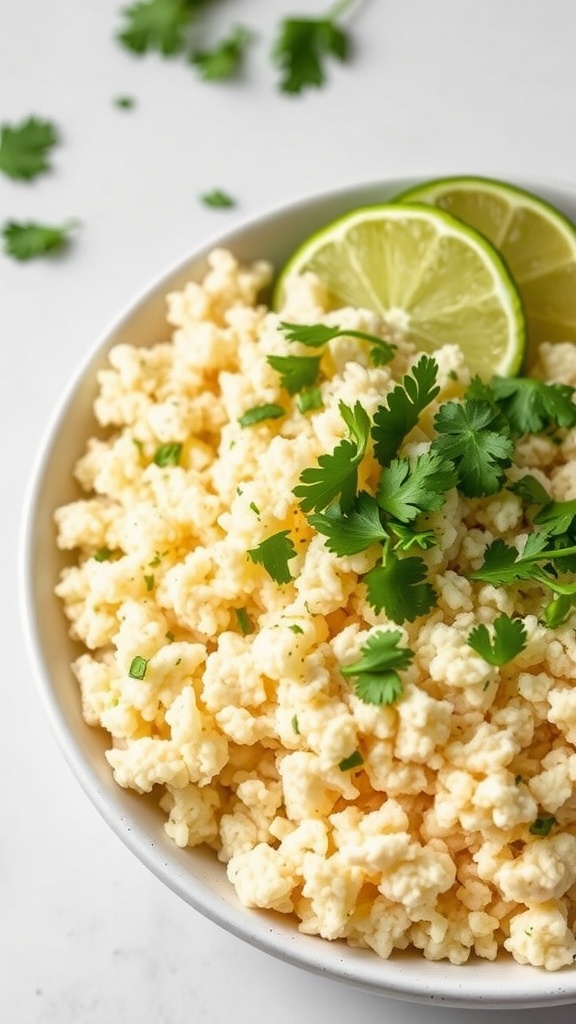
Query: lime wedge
x,y
425,273
536,241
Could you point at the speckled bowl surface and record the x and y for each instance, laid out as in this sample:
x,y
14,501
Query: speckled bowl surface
x,y
195,874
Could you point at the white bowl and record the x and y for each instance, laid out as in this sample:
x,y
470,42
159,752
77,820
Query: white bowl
x,y
193,873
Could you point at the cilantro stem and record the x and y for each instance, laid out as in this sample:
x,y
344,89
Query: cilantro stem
x,y
340,7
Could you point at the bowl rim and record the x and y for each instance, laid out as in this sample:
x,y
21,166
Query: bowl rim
x,y
443,983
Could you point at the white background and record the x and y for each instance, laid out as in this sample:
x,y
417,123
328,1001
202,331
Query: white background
x,y
451,86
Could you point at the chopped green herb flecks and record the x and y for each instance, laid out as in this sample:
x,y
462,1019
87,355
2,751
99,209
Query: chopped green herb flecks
x,y
138,667
103,555
354,761
542,826
168,454
259,413
218,199
245,625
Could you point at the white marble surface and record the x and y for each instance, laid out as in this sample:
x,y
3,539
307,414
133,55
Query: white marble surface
x,y
86,933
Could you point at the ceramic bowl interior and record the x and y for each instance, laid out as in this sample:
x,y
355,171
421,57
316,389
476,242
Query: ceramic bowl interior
x,y
193,873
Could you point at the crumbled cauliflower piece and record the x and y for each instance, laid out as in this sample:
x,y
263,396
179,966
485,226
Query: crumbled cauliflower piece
x,y
540,936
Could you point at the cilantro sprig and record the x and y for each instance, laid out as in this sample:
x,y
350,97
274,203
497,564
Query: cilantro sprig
x,y
303,45
225,59
318,335
375,674
28,240
508,639
25,148
157,25
472,434
408,487
399,587
532,406
404,405
335,478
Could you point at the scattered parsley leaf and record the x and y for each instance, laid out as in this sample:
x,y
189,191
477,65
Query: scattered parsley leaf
x,y
102,555
218,199
543,825
354,761
394,421
244,624
258,413
532,405
168,454
295,725
149,581
124,102
301,47
398,586
254,507
295,627
224,60
156,25
309,399
296,372
509,638
335,478
27,240
24,148
375,673
318,335
273,554
470,435
353,531
411,486
138,667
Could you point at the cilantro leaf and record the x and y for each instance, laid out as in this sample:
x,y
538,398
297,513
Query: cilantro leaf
x,y
394,421
530,490
301,47
156,25
375,674
296,372
335,478
397,586
352,531
273,554
218,199
509,639
531,405
27,240
411,486
225,59
558,517
258,413
470,436
24,148
318,335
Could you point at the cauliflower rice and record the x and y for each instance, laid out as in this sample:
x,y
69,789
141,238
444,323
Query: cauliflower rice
x,y
241,718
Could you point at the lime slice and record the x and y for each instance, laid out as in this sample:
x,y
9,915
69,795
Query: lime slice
x,y
536,241
426,274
